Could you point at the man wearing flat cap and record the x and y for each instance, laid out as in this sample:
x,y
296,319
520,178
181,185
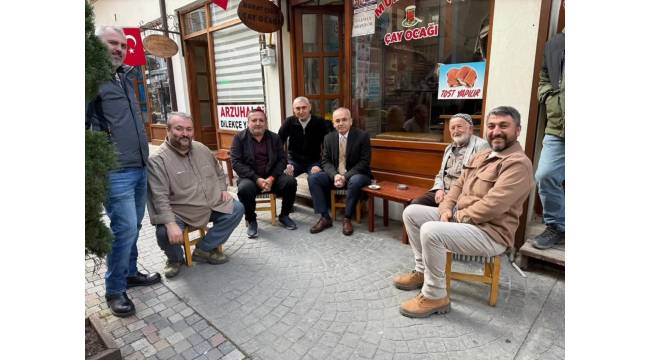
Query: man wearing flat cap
x,y
457,154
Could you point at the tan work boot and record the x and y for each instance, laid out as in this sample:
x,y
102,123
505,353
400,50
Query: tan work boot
x,y
410,281
420,307
211,257
172,269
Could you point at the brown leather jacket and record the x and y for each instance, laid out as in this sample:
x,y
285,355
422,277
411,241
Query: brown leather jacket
x,y
490,192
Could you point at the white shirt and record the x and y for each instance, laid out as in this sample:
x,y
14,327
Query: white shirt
x,y
304,124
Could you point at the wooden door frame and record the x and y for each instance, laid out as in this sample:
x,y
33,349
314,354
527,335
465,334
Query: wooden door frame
x,y
296,47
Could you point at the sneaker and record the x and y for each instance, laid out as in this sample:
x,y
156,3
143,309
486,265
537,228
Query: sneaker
x,y
219,255
172,269
287,222
411,281
209,257
420,306
252,229
549,238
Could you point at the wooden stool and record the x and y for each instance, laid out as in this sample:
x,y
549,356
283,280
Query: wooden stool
x,y
187,243
341,204
491,272
267,200
224,155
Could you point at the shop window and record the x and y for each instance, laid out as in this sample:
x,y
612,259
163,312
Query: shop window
x,y
157,82
195,21
398,67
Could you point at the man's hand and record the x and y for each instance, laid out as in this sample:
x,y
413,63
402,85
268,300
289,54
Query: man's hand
x,y
440,194
261,183
269,183
174,233
315,169
339,180
445,216
289,170
225,196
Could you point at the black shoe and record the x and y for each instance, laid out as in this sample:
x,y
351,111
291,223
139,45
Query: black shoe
x,y
287,222
252,229
120,305
140,279
549,238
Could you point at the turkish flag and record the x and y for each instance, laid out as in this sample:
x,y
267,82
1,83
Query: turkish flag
x,y
134,48
221,3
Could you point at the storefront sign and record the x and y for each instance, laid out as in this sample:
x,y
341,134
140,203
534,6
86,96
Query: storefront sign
x,y
383,6
260,15
235,117
363,22
160,45
461,81
423,32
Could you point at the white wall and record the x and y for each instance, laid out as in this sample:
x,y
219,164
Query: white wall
x,y
512,56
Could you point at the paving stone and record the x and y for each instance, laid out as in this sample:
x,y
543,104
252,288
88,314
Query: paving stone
x,y
234,355
226,347
166,353
182,346
189,354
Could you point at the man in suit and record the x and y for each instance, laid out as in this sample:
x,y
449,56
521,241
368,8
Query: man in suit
x,y
457,155
259,160
304,133
346,163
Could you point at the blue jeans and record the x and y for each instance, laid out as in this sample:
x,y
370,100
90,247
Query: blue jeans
x,y
222,226
125,202
549,176
320,186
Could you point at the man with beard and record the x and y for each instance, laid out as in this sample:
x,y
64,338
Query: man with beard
x,y
304,133
115,111
187,187
478,217
457,155
259,160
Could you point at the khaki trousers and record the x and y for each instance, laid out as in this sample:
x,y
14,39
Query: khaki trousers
x,y
430,240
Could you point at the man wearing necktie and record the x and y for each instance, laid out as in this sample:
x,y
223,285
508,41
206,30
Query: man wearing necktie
x,y
346,164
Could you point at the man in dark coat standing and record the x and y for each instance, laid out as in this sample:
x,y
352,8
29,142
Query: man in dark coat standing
x,y
346,164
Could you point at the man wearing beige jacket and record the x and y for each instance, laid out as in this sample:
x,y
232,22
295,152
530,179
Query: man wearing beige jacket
x,y
479,215
187,187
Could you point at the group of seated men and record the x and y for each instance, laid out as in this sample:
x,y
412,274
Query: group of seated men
x,y
473,207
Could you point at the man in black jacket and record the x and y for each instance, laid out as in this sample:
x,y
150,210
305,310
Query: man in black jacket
x,y
259,160
346,163
305,133
116,111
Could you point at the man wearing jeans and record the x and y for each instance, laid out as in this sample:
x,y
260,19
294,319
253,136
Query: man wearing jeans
x,y
115,110
479,216
550,169
187,187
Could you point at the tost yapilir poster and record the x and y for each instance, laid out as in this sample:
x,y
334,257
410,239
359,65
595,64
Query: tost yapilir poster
x,y
461,81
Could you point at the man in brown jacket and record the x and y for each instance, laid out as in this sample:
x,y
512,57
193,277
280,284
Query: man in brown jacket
x,y
187,187
479,215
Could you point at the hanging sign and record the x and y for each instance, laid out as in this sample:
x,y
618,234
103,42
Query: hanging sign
x,y
160,45
363,20
260,15
461,81
235,117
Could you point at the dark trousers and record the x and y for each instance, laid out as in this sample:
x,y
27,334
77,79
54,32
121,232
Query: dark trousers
x,y
299,168
320,186
428,199
284,186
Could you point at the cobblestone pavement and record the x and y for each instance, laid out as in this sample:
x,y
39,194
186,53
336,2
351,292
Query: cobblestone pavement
x,y
296,295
